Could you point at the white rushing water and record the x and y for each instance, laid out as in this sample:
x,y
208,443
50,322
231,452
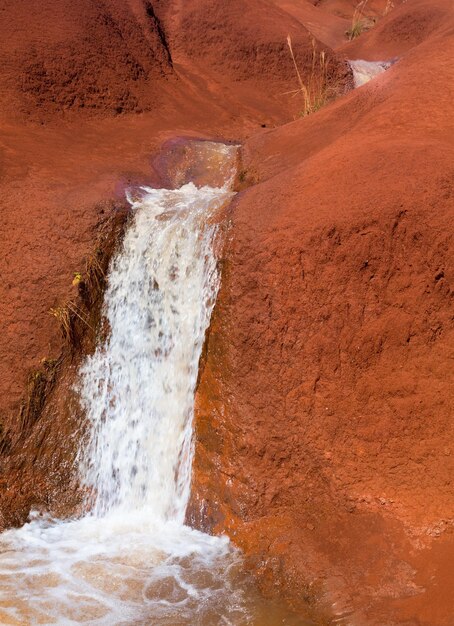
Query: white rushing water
x,y
364,71
138,388
132,560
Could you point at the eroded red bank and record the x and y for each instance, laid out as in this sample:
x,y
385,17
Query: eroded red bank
x,y
324,409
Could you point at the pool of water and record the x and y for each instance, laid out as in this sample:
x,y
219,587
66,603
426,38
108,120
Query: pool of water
x,y
126,569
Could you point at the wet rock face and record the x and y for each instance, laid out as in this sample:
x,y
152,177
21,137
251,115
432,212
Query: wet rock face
x,y
333,348
323,413
324,430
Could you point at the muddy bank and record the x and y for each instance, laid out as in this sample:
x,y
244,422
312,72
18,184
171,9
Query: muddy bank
x,y
324,412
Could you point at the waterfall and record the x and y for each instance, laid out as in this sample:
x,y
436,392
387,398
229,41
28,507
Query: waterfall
x,y
131,559
138,388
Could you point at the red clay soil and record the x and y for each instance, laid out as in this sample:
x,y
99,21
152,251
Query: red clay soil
x,y
368,8
324,428
104,56
324,410
404,28
324,25
331,20
72,74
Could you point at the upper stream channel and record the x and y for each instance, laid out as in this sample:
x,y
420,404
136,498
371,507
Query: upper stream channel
x,y
131,559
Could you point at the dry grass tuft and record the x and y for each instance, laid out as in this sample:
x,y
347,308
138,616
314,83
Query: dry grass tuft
x,y
389,7
84,310
77,279
355,31
95,277
316,92
358,21
40,383
63,316
67,316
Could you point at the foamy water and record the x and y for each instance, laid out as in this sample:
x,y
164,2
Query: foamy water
x,y
364,71
132,560
138,388
119,569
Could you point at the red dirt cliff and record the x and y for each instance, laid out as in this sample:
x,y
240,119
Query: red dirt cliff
x,y
324,411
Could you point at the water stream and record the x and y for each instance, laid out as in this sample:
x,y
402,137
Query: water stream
x,y
132,560
365,71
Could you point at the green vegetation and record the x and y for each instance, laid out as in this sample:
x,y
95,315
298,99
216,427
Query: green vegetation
x,y
77,279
